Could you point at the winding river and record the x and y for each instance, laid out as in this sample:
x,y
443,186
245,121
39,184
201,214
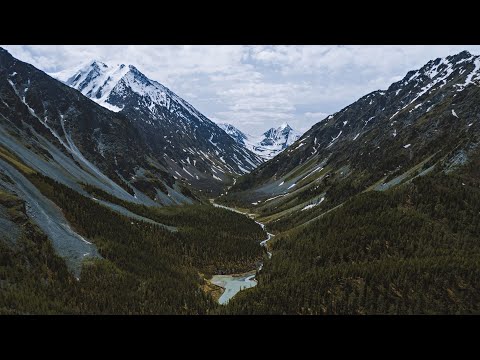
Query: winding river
x,y
235,283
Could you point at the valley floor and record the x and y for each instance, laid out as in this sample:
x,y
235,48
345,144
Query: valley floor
x,y
234,283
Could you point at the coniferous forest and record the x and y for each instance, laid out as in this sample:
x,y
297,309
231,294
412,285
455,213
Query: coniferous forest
x,y
146,269
412,250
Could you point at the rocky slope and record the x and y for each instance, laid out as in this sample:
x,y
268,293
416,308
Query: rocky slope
x,y
428,119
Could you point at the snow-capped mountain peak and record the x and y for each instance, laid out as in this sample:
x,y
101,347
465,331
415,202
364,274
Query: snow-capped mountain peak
x,y
97,80
282,137
112,87
267,145
191,146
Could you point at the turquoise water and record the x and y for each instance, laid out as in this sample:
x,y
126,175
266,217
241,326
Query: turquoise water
x,y
233,284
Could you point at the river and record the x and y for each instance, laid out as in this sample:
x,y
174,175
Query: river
x,y
235,283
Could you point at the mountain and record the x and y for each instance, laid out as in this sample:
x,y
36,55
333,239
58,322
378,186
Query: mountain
x,y
267,145
188,144
276,140
49,129
375,209
64,135
427,120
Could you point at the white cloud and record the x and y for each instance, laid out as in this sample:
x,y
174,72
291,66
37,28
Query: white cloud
x,y
255,87
316,115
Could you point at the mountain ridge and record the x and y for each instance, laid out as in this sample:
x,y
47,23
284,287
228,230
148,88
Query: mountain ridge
x,y
191,146
427,117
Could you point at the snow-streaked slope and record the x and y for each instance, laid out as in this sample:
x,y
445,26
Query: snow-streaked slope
x,y
267,145
428,120
102,83
184,140
97,80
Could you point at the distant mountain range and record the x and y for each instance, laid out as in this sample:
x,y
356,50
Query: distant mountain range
x,y
269,144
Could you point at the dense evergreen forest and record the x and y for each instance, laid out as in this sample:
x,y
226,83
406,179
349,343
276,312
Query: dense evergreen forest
x,y
411,250
217,241
146,269
212,239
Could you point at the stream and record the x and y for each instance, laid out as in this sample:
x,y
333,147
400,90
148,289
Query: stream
x,y
235,283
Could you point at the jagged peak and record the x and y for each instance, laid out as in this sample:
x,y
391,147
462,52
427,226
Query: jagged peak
x,y
98,63
461,55
139,75
282,129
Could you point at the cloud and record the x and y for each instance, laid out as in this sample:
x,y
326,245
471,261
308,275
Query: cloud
x,y
315,115
254,87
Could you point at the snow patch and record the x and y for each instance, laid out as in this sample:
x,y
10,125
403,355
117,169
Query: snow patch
x,y
275,197
187,172
416,107
313,205
334,139
395,114
470,78
370,119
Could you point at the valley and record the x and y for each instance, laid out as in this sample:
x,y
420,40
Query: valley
x,y
234,283
117,196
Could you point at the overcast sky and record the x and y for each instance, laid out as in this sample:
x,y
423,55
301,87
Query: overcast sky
x,y
254,87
